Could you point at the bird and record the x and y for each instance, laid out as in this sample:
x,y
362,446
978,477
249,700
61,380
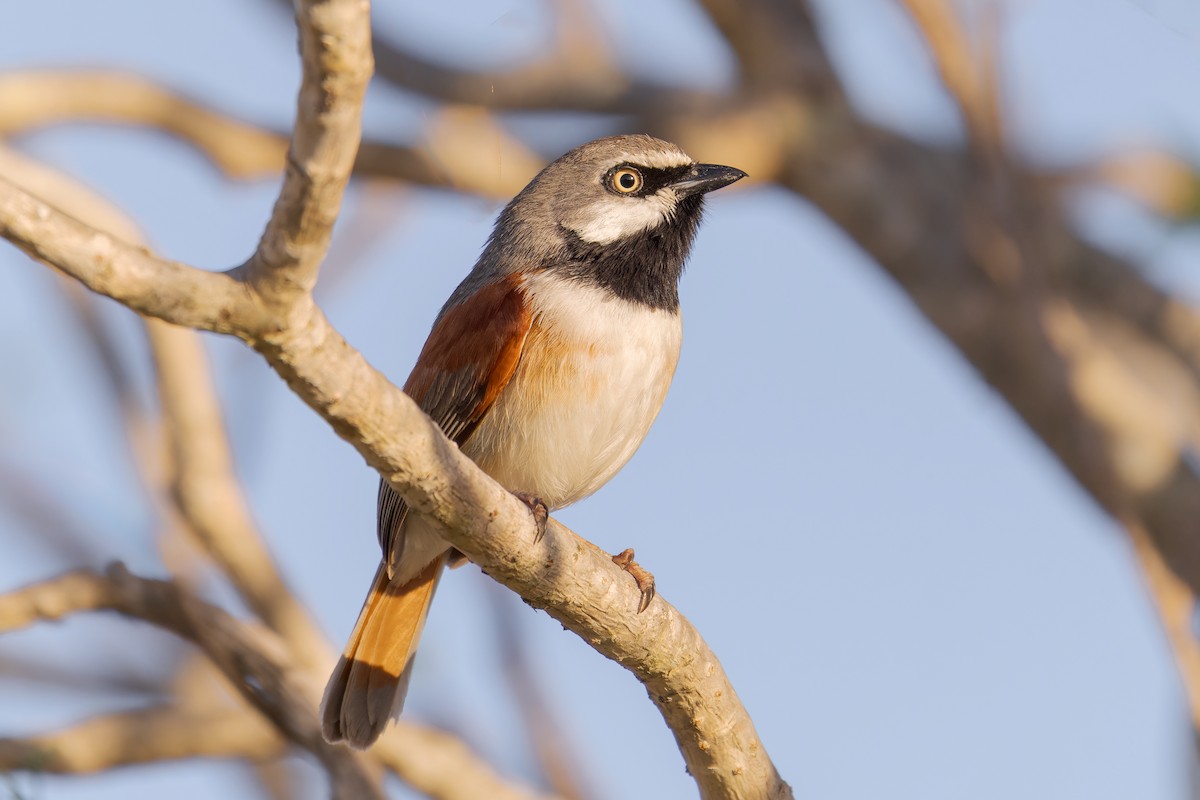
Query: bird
x,y
546,366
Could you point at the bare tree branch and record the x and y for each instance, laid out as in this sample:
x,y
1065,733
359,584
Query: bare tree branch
x,y
1010,284
253,660
32,99
204,485
575,583
576,73
211,498
469,151
1164,183
1176,605
335,49
213,505
275,313
441,766
141,429
1004,252
257,664
1049,320
465,150
90,255
962,73
161,733
277,778
776,43
115,677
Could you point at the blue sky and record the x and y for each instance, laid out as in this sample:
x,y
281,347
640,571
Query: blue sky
x,y
909,594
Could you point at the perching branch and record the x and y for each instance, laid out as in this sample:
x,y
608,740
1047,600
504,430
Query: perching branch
x,y
267,302
212,507
575,583
1047,319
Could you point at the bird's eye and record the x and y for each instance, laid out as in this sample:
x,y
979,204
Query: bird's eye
x,y
627,180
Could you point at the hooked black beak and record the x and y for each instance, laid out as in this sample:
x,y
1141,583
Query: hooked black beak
x,y
703,178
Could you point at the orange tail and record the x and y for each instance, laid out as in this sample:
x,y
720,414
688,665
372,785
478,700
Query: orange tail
x,y
371,678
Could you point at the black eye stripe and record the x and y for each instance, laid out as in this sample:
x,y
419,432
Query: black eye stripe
x,y
653,178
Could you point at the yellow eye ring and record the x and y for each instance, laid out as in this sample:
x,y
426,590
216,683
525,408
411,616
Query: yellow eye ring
x,y
626,180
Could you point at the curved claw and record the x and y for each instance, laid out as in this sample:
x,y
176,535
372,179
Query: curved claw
x,y
641,576
539,511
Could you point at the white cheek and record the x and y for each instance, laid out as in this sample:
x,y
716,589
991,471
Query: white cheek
x,y
618,217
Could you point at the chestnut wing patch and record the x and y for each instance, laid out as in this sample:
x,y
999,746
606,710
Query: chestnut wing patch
x,y
468,359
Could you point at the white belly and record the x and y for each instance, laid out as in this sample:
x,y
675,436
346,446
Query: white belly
x,y
592,377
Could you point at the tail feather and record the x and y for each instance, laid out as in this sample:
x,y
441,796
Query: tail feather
x,y
371,678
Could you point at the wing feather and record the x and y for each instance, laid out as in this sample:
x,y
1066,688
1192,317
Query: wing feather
x,y
468,359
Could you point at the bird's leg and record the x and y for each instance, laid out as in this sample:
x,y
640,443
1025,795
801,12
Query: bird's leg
x,y
539,511
641,576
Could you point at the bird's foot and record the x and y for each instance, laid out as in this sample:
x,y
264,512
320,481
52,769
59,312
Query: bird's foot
x,y
539,511
642,577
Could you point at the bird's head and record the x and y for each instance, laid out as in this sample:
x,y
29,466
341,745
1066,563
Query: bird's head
x,y
620,211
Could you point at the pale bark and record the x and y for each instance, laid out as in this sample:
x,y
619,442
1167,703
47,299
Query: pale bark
x,y
575,583
1102,365
267,302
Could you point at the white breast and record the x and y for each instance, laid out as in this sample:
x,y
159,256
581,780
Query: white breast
x,y
592,377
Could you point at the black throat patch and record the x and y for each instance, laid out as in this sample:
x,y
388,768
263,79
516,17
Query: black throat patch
x,y
643,268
